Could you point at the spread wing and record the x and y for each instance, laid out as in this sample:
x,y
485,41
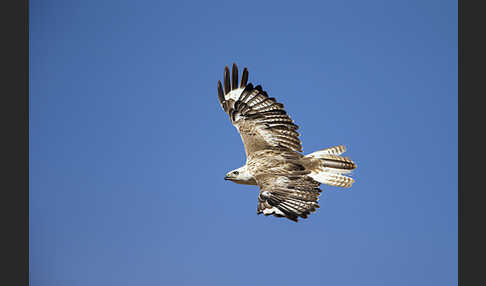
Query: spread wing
x,y
286,190
261,121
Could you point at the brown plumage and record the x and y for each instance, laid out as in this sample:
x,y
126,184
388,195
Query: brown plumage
x,y
289,181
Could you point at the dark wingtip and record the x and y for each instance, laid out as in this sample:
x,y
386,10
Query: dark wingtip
x,y
220,92
227,84
234,77
244,78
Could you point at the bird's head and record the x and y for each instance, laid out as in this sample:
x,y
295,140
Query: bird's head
x,y
240,176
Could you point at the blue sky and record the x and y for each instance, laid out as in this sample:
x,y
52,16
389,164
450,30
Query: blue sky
x,y
129,146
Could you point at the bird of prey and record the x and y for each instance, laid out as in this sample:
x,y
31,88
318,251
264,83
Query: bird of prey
x,y
289,181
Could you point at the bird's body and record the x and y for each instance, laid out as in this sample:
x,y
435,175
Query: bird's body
x,y
289,181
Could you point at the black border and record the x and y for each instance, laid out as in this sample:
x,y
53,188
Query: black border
x,y
15,143
471,75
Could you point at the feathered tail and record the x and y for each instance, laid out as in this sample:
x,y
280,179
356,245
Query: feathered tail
x,y
332,167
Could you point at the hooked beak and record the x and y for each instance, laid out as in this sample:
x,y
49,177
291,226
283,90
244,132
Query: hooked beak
x,y
226,178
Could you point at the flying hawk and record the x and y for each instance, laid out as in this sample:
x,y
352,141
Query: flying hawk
x,y
289,181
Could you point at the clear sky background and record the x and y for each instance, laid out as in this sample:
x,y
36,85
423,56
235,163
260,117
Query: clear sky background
x,y
129,145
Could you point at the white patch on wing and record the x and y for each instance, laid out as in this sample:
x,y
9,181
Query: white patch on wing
x,y
272,210
234,94
281,180
237,117
268,136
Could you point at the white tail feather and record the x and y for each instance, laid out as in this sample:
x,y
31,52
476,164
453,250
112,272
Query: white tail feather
x,y
336,150
332,173
332,177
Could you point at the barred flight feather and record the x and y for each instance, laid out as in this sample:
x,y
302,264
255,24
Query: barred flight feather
x,y
248,113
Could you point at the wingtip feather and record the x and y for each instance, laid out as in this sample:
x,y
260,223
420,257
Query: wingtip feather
x,y
244,78
220,92
234,77
227,83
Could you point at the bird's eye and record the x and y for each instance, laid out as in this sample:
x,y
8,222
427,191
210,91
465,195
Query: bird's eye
x,y
236,173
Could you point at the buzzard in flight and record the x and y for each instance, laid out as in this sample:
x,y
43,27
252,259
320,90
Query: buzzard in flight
x,y
289,181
